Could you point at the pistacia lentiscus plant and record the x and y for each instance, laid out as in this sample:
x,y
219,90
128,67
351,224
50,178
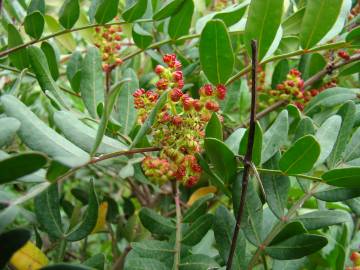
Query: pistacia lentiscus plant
x,y
179,134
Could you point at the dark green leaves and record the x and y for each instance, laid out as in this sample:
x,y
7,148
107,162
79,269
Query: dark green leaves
x,y
20,165
222,158
90,218
142,38
69,13
180,22
214,128
34,24
197,209
18,58
301,156
136,11
51,58
319,18
11,242
197,230
345,177
263,25
216,53
91,85
319,219
106,11
168,9
156,223
296,247
47,210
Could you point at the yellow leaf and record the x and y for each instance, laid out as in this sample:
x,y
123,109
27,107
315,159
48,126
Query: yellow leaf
x,y
101,220
201,192
29,257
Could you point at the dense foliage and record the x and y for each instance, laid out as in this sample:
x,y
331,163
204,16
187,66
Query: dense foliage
x,y
127,139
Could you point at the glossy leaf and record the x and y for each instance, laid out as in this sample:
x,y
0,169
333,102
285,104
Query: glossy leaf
x,y
47,210
300,157
136,11
258,141
274,137
263,24
51,58
156,223
142,38
216,53
169,8
8,128
106,11
222,158
297,246
323,218
90,219
38,136
20,165
69,13
180,22
20,58
34,24
36,5
214,128
14,239
197,230
92,81
354,36
344,177
305,127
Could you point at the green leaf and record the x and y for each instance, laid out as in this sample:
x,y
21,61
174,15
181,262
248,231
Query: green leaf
x,y
198,262
20,58
141,37
150,120
66,266
354,36
354,205
144,264
47,210
301,156
193,234
69,13
233,141
197,209
320,17
8,216
291,25
326,135
126,109
67,41
352,150
310,64
216,53
34,24
92,81
90,218
108,107
180,23
335,194
14,239
347,112
214,128
330,98
43,75
73,70
8,128
97,261
224,224
156,223
275,136
106,11
222,158
263,24
36,5
168,9
51,58
280,72
344,177
290,229
305,127
84,136
20,165
323,218
297,246
276,188
136,11
154,249
38,136
258,141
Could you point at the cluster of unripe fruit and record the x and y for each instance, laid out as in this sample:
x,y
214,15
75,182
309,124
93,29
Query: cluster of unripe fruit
x,y
180,124
107,39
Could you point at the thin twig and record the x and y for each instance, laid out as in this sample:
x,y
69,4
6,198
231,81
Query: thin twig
x,y
247,158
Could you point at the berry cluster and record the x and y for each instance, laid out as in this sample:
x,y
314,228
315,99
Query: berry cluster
x,y
355,258
180,125
108,41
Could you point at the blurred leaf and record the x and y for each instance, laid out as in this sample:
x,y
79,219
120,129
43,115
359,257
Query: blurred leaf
x,y
233,141
19,58
193,234
97,261
216,53
305,127
258,141
344,177
73,70
280,72
65,266
136,11
168,9
214,128
34,24
29,257
160,250
180,23
197,209
7,216
296,247
92,81
90,219
310,64
8,128
69,13
354,36
106,11
156,223
323,218
51,58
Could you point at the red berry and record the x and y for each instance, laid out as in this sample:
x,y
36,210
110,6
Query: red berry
x,y
186,102
191,181
295,72
139,92
208,90
212,106
301,83
117,37
197,105
221,91
344,55
162,84
314,92
290,83
280,86
177,120
180,84
169,58
159,69
177,75
176,94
